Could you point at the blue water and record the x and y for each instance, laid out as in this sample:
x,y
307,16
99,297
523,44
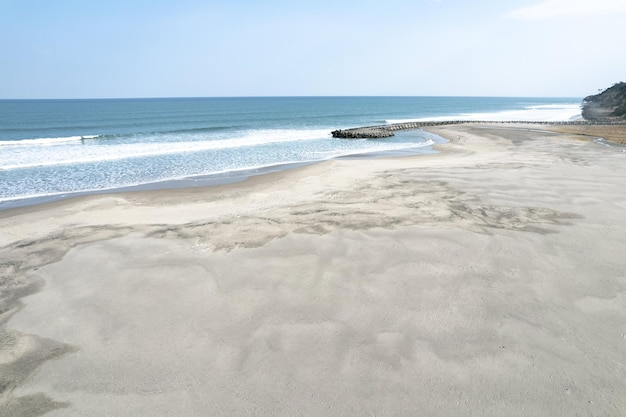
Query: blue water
x,y
59,147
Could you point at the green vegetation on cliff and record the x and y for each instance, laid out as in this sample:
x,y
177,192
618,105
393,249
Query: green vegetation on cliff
x,y
608,105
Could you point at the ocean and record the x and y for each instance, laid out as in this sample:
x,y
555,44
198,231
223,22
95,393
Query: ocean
x,y
51,149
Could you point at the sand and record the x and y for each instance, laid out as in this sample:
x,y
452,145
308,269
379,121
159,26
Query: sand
x,y
486,280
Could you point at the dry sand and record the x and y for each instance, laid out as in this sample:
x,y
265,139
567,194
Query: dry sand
x,y
487,280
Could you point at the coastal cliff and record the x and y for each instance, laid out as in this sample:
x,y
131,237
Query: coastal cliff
x,y
609,105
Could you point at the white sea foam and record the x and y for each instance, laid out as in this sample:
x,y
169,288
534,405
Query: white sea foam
x,y
380,147
535,113
244,170
30,157
46,141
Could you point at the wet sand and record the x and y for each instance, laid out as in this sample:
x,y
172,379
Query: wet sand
x,y
488,279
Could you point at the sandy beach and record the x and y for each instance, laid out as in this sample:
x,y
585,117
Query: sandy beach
x,y
486,280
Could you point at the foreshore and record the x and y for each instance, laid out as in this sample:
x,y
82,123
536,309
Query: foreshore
x,y
487,279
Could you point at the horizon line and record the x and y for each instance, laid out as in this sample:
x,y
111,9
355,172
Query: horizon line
x,y
278,96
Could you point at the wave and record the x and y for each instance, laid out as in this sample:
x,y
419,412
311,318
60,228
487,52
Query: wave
x,y
175,132
532,113
210,129
81,138
380,148
553,106
120,151
48,141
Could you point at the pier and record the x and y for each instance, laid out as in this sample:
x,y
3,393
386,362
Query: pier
x,y
385,131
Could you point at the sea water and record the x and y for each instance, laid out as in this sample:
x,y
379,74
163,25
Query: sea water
x,y
56,148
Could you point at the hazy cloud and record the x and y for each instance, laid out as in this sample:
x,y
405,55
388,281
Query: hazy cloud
x,y
558,8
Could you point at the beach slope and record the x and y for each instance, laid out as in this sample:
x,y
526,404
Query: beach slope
x,y
488,279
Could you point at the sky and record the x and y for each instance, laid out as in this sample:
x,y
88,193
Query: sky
x,y
194,48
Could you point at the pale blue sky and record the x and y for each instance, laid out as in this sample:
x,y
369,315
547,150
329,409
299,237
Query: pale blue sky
x,y
160,48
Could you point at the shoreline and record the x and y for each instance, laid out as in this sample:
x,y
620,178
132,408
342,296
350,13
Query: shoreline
x,y
208,180
481,279
204,180
615,133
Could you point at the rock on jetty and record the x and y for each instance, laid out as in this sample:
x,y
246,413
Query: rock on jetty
x,y
386,131
363,133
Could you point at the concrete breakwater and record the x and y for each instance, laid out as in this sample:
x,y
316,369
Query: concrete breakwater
x,y
385,131
373,132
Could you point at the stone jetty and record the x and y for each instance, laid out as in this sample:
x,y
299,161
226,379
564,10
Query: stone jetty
x,y
373,132
385,131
